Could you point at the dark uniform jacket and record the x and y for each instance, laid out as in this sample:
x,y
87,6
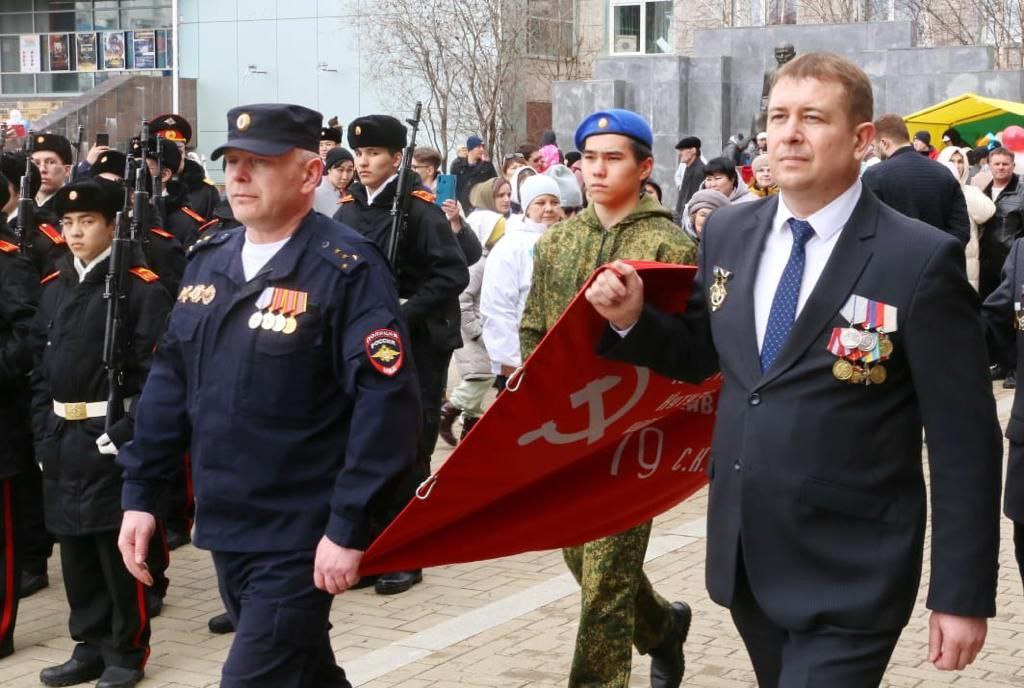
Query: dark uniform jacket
x,y
179,218
819,482
19,292
82,488
292,435
203,197
47,245
922,189
163,254
432,271
997,235
1003,311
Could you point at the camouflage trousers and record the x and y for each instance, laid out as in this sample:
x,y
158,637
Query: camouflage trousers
x,y
618,608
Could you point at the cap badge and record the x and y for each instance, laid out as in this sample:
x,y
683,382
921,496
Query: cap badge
x,y
103,159
170,121
602,123
73,195
243,122
359,131
40,139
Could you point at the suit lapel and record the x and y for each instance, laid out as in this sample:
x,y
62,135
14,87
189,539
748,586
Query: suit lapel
x,y
849,257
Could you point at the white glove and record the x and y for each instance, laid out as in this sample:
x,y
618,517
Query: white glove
x,y
105,445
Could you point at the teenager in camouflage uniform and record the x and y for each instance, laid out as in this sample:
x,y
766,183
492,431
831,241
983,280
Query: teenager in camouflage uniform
x,y
619,607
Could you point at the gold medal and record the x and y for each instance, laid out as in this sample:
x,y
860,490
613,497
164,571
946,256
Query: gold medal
x,y
255,320
858,375
885,347
209,294
268,321
290,324
877,375
196,293
842,369
279,322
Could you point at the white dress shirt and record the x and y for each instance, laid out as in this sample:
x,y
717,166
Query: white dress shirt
x,y
827,223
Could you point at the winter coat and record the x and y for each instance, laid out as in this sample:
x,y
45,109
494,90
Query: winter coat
x,y
471,359
996,236
741,194
980,208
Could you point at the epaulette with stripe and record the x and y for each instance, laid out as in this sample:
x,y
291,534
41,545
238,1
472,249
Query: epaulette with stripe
x,y
145,274
347,198
160,232
193,214
423,195
8,247
209,224
49,278
52,233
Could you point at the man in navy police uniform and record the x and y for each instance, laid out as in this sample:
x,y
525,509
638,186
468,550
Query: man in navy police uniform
x,y
284,371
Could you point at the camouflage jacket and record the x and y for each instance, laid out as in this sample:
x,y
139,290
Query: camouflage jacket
x,y
568,253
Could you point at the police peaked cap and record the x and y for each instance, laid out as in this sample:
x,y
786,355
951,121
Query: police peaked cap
x,y
95,195
171,127
111,162
377,131
12,165
330,134
52,142
614,121
272,129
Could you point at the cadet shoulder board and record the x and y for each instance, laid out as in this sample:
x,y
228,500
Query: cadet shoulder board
x,y
161,232
8,247
49,278
145,274
347,198
423,195
52,233
193,214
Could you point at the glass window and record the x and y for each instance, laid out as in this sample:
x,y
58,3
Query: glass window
x,y
17,5
145,19
641,27
626,28
658,27
17,83
106,20
15,23
10,54
63,83
55,21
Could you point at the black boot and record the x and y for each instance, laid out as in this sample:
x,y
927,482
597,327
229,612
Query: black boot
x,y
220,624
467,425
1011,380
119,677
394,583
72,672
449,412
997,372
668,663
31,583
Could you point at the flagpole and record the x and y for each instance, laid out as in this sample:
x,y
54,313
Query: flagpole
x,y
174,56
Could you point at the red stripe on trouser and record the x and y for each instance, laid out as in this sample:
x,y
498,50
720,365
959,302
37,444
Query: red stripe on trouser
x,y
9,592
190,494
140,598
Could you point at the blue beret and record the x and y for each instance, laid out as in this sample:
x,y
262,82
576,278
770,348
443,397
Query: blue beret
x,y
615,121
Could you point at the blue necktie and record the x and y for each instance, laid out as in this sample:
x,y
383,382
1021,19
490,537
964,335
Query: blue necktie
x,y
783,313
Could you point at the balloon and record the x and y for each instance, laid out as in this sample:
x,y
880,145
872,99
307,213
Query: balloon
x,y
1013,138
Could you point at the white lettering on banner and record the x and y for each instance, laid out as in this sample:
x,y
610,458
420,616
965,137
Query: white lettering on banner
x,y
592,395
696,462
703,402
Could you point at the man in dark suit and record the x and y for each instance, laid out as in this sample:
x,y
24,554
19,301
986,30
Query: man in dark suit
x,y
693,176
840,327
913,184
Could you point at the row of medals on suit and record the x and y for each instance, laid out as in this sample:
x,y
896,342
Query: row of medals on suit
x,y
860,353
277,310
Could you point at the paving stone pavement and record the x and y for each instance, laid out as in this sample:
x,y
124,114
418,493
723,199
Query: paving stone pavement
x,y
508,623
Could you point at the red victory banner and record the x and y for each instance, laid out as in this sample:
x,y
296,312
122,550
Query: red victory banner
x,y
576,448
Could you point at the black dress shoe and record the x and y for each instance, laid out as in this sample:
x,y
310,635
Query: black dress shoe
x,y
467,425
71,672
31,583
997,372
220,624
1011,380
668,663
394,583
449,412
119,677
176,539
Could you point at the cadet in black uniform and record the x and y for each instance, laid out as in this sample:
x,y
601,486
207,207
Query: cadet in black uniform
x,y
203,196
178,218
285,372
330,138
161,250
431,274
109,617
19,290
52,155
46,245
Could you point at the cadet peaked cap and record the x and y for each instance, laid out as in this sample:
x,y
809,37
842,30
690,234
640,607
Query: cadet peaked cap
x,y
170,154
110,162
90,196
377,131
12,165
171,127
330,134
272,129
336,156
614,121
52,142
688,142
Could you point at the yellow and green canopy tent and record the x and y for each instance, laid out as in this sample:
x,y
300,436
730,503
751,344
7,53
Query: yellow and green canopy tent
x,y
973,116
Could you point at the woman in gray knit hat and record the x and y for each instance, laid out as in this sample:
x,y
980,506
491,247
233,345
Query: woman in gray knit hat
x,y
700,206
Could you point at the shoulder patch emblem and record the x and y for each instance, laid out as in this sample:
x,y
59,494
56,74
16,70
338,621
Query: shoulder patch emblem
x,y
161,232
384,349
193,214
52,233
8,247
145,274
49,278
424,195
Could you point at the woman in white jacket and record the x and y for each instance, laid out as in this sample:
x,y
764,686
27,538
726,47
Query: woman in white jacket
x,y
509,273
980,207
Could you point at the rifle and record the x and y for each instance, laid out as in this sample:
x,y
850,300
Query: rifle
x,y
115,289
158,184
400,205
78,152
26,203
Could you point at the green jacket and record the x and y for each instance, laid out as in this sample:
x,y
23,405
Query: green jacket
x,y
568,253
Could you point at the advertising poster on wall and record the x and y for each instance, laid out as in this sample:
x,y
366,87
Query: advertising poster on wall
x,y
30,61
113,50
60,58
145,49
87,52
